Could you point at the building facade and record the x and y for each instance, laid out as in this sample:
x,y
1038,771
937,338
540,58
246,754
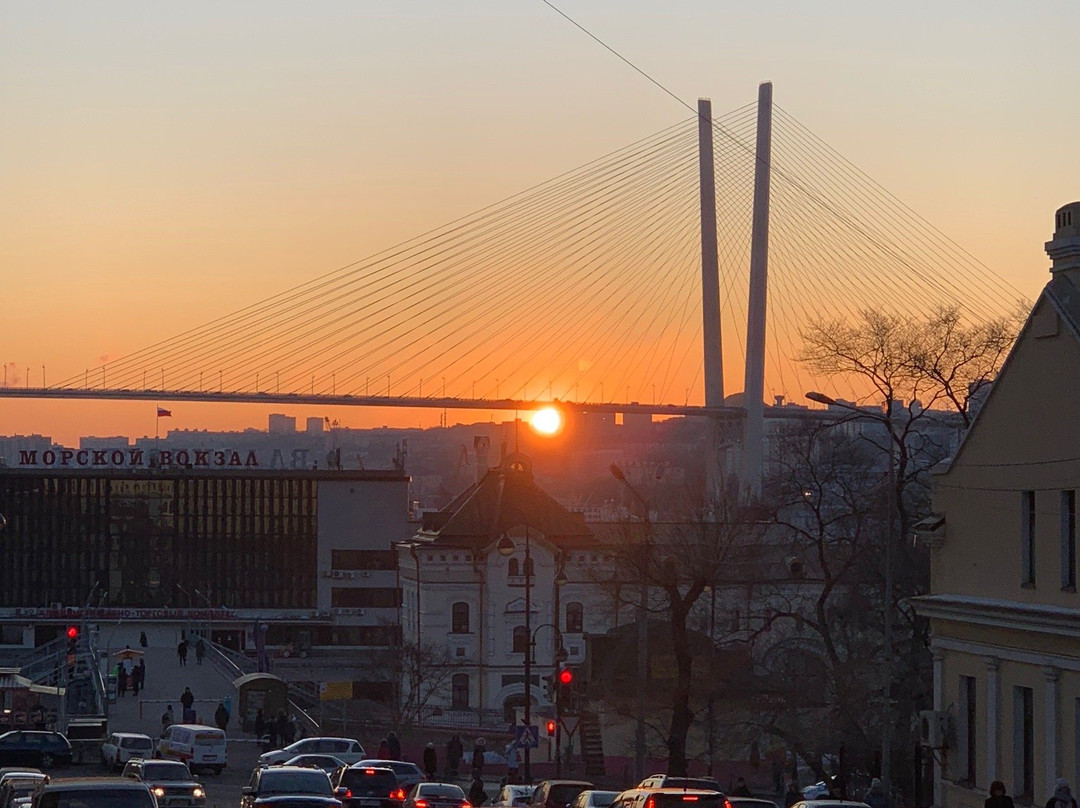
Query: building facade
x,y
1004,607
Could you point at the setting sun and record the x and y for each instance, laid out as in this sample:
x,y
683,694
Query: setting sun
x,y
547,421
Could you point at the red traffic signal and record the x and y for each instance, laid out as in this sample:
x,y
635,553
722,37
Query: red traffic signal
x,y
72,632
551,728
566,676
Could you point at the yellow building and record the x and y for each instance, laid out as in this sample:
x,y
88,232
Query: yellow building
x,y
1004,610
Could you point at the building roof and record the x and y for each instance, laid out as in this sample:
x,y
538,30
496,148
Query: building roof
x,y
506,497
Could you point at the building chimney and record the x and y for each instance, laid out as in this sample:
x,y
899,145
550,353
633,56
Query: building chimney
x,y
1064,248
482,445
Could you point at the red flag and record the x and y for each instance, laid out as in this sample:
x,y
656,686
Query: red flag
x,y
163,413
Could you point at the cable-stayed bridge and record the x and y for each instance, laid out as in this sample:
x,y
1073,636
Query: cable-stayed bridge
x,y
652,279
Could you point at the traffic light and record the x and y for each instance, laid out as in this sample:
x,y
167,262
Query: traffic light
x,y
72,638
566,682
551,729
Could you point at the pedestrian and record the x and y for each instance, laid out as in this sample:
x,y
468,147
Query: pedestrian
x,y
431,761
221,717
142,673
271,734
200,650
288,731
875,795
394,744
1063,797
135,683
166,719
477,795
260,724
792,795
187,699
181,652
384,749
741,789
121,681
454,751
478,758
142,639
998,798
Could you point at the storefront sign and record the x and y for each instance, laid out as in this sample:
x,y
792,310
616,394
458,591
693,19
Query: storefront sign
x,y
63,457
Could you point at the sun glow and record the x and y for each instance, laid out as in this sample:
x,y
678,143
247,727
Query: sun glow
x,y
547,421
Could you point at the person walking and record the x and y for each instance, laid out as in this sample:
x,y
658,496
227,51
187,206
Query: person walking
x,y
141,667
998,798
221,717
792,795
384,749
200,650
187,699
477,795
260,724
394,744
121,681
166,719
135,683
454,751
181,652
741,789
478,758
1062,797
142,639
431,761
287,730
875,795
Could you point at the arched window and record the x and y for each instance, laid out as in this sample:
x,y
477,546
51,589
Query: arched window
x,y
529,567
459,618
575,616
459,691
514,568
521,640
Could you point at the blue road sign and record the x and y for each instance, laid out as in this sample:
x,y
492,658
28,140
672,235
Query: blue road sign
x,y
526,737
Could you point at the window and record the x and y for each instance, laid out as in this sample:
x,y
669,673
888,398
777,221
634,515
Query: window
x,y
574,618
459,691
367,597
521,640
363,560
459,623
1023,743
514,569
1027,536
1068,540
968,723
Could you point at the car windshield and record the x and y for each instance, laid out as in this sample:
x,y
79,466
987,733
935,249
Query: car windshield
x,y
564,793
602,799
311,781
165,771
449,792
135,743
97,798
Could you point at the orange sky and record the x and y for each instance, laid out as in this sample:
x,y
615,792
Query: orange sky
x,y
163,165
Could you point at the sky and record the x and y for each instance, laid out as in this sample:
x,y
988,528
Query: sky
x,y
164,164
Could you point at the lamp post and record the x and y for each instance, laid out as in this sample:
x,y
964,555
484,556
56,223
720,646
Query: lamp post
x,y
712,677
506,547
887,616
559,658
643,628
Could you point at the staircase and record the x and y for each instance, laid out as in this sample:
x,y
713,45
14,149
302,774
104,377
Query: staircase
x,y
592,744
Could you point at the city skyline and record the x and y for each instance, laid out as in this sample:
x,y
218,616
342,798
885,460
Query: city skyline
x,y
165,167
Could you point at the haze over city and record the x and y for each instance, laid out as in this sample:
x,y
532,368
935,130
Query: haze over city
x,y
164,166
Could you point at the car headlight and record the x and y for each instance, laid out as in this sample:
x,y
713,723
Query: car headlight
x,y
158,791
198,792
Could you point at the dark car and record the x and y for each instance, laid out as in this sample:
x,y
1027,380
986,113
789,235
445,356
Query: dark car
x,y
169,780
667,781
33,748
96,792
18,788
436,795
289,787
674,797
407,774
367,787
558,793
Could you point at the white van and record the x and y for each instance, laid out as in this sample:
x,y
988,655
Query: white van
x,y
120,747
196,745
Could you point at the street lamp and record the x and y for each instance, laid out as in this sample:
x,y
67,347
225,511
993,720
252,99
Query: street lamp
x,y
643,628
559,658
887,616
506,548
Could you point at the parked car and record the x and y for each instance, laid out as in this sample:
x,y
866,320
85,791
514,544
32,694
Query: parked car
x,y
591,798
268,786
18,788
328,763
348,750
194,744
558,793
34,748
513,796
367,787
120,747
407,774
751,802
676,797
667,781
436,795
94,792
169,780
816,791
